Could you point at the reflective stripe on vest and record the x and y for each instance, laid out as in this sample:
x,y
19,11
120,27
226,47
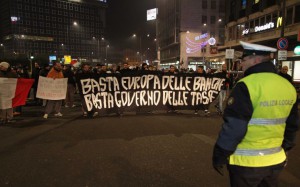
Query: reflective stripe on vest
x,y
262,121
257,152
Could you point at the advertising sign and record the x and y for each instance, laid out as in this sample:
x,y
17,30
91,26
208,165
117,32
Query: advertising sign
x,y
151,14
193,45
52,58
67,59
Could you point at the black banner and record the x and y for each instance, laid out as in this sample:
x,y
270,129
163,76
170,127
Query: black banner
x,y
138,91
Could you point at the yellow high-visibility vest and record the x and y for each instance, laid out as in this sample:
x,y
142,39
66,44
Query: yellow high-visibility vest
x,y
272,99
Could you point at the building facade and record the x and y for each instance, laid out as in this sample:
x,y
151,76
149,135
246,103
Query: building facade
x,y
265,22
184,28
53,27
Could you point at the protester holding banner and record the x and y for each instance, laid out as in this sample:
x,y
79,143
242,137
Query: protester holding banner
x,y
201,73
125,69
144,67
85,73
114,69
97,68
225,88
44,72
6,112
55,73
103,70
172,71
21,74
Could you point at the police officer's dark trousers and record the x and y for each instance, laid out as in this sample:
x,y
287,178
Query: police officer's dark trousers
x,y
254,176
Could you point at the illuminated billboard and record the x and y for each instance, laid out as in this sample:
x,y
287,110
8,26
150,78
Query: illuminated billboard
x,y
192,45
14,19
67,59
151,14
52,58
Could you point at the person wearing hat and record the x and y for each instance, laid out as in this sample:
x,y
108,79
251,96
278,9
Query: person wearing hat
x,y
6,115
260,122
5,71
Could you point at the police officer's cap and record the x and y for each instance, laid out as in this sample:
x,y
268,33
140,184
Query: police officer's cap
x,y
256,49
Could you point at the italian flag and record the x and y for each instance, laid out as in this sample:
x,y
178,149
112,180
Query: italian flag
x,y
13,92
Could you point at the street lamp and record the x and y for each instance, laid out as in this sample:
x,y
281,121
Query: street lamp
x,y
94,38
140,41
68,37
106,48
3,48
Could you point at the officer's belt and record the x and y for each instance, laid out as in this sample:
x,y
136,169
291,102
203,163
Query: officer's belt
x,y
257,152
262,121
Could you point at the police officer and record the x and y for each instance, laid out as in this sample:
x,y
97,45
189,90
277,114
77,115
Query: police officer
x,y
260,122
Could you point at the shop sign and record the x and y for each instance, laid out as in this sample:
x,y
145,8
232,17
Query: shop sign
x,y
282,54
259,28
229,54
197,63
279,22
217,63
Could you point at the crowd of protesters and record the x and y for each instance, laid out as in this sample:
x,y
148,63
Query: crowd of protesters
x,y
86,71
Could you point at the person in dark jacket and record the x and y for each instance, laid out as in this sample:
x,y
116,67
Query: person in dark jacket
x,y
224,89
260,123
35,75
68,73
200,72
45,70
284,74
85,73
125,69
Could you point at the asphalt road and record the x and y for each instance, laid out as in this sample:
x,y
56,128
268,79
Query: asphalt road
x,y
145,150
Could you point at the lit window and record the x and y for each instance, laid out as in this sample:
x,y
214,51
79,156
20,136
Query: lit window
x,y
244,4
256,1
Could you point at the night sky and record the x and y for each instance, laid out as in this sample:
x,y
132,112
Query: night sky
x,y
125,17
